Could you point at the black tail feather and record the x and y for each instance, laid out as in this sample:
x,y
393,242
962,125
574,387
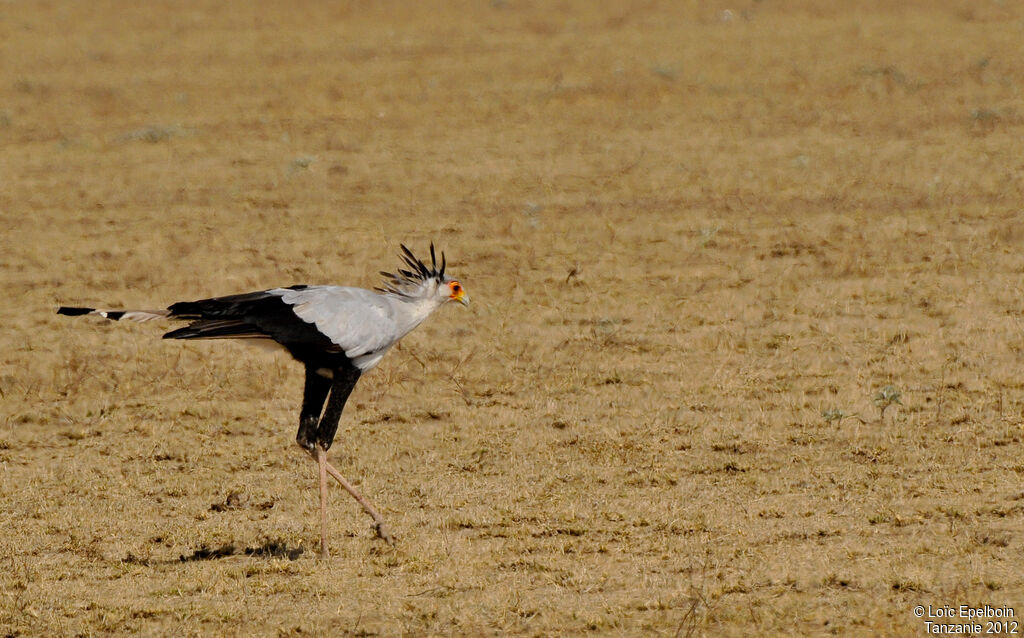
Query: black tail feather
x,y
229,307
255,315
73,311
217,329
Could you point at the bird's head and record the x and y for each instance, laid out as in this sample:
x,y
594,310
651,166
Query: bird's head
x,y
420,281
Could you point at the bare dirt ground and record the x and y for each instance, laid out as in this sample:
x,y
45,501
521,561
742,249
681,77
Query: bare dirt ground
x,y
706,243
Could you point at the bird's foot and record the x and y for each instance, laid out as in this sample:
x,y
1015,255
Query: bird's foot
x,y
383,533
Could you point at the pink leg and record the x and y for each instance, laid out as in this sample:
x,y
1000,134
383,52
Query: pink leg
x,y
321,459
326,468
378,520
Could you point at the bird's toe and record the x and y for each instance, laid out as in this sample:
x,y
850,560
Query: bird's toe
x,y
383,533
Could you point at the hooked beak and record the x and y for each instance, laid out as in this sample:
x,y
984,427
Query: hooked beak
x,y
463,298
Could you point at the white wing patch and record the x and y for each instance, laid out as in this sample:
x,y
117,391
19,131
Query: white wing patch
x,y
360,321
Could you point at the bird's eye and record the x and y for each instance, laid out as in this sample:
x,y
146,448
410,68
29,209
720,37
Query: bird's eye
x,y
456,287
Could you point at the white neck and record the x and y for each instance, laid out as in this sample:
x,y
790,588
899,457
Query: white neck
x,y
415,305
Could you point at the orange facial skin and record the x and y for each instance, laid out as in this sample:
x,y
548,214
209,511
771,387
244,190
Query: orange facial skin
x,y
458,293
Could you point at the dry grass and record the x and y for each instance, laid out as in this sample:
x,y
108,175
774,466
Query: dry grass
x,y
688,233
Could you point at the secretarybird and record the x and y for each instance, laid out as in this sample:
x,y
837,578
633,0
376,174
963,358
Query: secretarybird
x,y
337,332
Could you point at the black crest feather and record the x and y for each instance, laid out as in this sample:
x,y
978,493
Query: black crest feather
x,y
417,272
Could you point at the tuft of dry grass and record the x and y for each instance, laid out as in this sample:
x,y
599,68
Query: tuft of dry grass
x,y
744,356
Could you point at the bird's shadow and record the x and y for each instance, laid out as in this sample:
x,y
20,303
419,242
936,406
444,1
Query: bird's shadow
x,y
267,549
